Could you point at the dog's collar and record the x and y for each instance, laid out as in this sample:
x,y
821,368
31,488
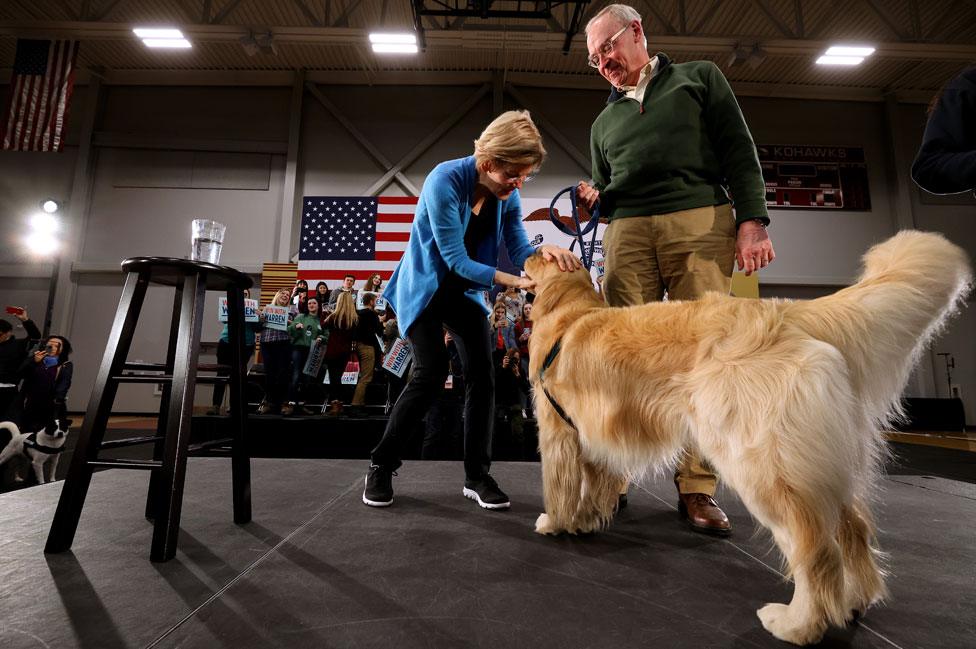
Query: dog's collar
x,y
31,442
550,357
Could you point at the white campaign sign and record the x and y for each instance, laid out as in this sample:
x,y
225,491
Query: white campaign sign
x,y
398,357
250,310
276,317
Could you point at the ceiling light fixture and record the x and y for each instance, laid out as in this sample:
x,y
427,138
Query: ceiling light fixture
x,y
848,55
162,38
386,43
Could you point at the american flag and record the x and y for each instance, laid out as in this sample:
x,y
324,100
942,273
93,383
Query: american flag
x,y
40,93
355,235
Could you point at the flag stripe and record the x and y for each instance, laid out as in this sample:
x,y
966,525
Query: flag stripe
x,y
395,218
394,227
397,200
382,235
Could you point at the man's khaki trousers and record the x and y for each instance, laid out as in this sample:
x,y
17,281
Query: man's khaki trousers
x,y
682,253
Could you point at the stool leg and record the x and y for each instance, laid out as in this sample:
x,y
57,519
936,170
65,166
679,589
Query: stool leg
x,y
172,474
240,456
76,483
155,494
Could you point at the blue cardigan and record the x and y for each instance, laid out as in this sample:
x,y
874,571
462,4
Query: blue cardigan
x,y
436,243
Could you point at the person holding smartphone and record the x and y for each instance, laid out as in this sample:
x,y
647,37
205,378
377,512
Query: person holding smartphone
x,y
12,353
47,373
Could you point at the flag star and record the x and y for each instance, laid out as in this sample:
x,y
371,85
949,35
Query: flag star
x,y
343,250
367,249
321,202
304,238
304,249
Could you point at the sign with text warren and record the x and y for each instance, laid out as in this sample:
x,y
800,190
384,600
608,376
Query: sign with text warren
x,y
250,310
398,357
276,317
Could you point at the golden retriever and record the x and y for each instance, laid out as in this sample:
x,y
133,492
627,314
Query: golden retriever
x,y
785,399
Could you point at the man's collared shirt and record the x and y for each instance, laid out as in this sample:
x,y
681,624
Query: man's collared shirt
x,y
646,74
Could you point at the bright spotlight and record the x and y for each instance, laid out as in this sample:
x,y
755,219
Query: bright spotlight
x,y
44,223
41,243
50,206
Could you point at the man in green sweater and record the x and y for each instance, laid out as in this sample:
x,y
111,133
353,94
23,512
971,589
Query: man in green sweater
x,y
668,149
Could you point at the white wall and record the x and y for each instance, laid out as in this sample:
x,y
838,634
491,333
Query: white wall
x,y
816,249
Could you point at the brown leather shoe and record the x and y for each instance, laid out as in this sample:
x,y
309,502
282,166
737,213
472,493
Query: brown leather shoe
x,y
703,514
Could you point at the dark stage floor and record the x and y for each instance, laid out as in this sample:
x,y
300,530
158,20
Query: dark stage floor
x,y
316,568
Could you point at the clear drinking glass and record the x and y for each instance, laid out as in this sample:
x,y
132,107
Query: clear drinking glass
x,y
208,238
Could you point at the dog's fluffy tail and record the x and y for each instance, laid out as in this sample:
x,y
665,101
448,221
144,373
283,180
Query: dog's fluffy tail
x,y
911,283
11,440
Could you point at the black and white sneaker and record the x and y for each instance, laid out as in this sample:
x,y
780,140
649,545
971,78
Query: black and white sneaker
x,y
379,486
486,492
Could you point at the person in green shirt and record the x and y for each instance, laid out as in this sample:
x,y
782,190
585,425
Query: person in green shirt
x,y
670,152
304,329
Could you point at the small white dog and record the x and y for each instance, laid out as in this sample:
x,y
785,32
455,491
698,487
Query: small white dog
x,y
41,448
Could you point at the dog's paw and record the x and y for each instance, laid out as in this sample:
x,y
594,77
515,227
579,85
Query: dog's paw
x,y
777,619
543,526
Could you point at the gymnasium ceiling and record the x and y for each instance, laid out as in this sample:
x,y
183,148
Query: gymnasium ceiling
x,y
920,43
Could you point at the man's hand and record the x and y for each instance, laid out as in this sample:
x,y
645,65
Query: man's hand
x,y
564,258
39,355
753,247
587,194
22,315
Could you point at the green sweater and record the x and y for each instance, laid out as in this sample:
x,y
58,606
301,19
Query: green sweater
x,y
310,330
677,151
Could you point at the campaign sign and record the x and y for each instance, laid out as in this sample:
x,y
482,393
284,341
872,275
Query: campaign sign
x,y
250,310
350,375
276,317
398,357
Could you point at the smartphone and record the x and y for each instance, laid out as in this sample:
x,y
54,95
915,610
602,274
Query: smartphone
x,y
15,310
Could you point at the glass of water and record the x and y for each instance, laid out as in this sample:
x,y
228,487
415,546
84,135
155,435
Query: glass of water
x,y
208,238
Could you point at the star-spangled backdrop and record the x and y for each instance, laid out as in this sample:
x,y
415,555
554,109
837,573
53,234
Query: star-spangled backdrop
x,y
358,235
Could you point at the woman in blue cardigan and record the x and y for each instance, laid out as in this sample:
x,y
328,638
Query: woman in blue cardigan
x,y
467,206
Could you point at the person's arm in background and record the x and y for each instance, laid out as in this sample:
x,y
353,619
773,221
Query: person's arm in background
x,y
946,160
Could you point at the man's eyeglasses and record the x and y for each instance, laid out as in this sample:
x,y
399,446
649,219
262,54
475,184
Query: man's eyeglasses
x,y
605,49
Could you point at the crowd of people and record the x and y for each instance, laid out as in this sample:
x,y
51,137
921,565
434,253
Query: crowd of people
x,y
305,354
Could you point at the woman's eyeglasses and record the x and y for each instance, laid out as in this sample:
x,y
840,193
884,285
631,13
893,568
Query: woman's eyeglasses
x,y
605,49
515,178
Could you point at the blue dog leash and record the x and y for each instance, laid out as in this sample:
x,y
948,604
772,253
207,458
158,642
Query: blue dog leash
x,y
580,228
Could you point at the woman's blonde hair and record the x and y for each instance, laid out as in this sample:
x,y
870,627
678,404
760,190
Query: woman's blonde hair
x,y
345,316
511,138
281,291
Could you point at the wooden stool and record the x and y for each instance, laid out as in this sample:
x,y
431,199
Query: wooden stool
x,y
178,375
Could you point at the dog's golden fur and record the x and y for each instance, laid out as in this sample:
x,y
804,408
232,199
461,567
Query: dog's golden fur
x,y
785,399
